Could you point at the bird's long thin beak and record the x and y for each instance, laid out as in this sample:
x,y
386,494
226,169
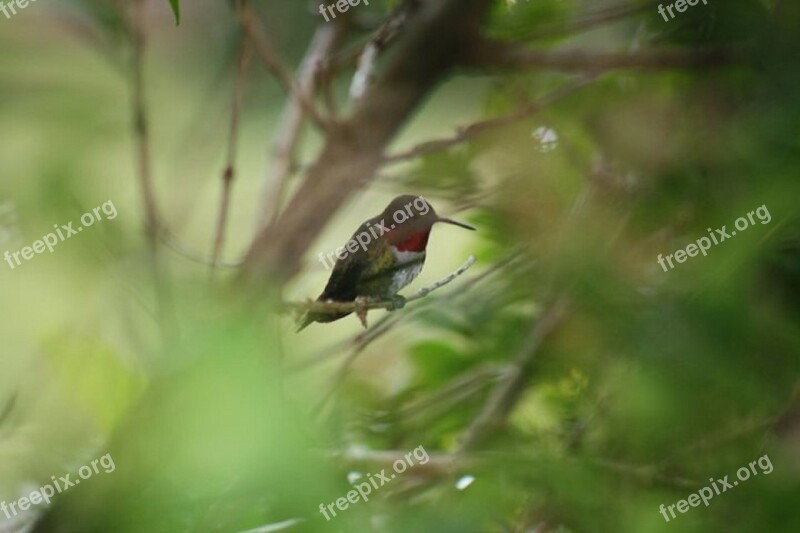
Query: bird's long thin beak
x,y
455,223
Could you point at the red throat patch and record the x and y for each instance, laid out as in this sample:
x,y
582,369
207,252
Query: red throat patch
x,y
416,243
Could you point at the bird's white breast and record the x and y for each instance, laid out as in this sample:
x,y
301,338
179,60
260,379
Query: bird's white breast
x,y
406,274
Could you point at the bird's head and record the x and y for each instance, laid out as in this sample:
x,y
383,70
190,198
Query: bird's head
x,y
409,219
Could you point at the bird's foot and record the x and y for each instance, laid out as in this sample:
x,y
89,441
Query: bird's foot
x,y
398,302
361,309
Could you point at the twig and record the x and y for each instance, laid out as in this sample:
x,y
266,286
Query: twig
x,y
716,441
646,473
454,393
172,243
293,120
493,54
338,307
229,172
140,122
471,131
266,52
143,160
506,392
588,22
6,412
363,75
366,60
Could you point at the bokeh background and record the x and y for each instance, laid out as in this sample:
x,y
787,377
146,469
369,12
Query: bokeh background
x,y
564,383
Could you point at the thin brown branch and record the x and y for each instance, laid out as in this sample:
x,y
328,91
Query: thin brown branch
x,y
153,225
350,54
171,242
733,435
499,55
467,133
293,119
229,172
647,474
588,21
505,394
338,307
779,423
140,124
450,396
364,74
9,407
269,57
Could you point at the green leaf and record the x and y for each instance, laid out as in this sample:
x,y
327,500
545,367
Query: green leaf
x,y
176,9
97,377
437,361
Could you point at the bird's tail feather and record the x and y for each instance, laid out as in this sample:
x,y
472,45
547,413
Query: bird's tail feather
x,y
310,317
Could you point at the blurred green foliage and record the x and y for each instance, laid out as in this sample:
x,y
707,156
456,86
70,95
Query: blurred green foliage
x,y
652,383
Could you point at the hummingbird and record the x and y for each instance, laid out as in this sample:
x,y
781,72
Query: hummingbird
x,y
384,255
